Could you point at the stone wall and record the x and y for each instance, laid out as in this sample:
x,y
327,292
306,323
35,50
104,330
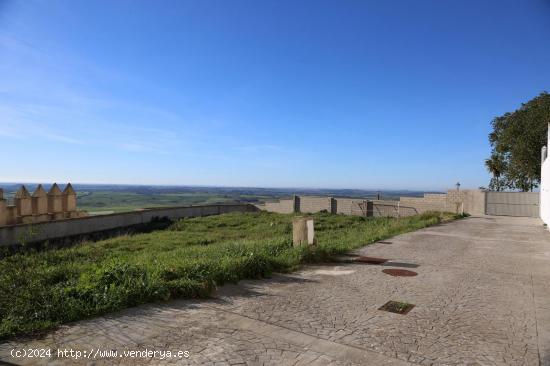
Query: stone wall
x,y
39,206
430,202
472,201
67,228
389,208
282,206
312,204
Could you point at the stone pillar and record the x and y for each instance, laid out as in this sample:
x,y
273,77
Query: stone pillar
x,y
370,208
55,203
3,209
40,204
332,204
69,199
303,232
23,202
296,200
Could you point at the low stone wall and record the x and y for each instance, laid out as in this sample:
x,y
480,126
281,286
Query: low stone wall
x,y
388,208
39,232
406,206
312,204
471,200
430,202
283,206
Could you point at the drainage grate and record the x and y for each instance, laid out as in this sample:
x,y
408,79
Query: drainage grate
x,y
399,272
384,242
397,307
370,260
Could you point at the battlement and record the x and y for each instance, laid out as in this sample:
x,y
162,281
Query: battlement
x,y
39,206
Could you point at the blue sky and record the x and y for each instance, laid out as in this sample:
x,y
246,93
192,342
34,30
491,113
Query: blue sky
x,y
335,94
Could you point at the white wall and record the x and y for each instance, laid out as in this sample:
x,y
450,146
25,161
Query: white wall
x,y
545,185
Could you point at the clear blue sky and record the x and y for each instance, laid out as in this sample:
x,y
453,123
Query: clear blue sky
x,y
347,94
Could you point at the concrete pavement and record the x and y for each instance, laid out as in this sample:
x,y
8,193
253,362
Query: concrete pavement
x,y
481,296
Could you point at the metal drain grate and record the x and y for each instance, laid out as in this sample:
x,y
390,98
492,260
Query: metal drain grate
x,y
399,272
397,307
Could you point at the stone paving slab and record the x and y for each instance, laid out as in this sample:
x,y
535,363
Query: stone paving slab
x,y
482,297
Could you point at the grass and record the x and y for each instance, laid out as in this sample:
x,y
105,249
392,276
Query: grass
x,y
39,290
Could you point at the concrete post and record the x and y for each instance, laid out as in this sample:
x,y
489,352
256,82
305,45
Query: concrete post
x,y
296,200
333,205
370,208
303,231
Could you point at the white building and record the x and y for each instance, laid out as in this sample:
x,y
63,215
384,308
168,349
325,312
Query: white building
x,y
545,183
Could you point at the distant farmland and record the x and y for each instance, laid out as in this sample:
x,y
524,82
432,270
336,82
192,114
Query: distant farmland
x,y
102,199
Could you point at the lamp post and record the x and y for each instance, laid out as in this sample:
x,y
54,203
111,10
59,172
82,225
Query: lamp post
x,y
457,186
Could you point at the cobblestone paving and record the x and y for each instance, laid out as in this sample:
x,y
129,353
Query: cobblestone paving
x,y
482,297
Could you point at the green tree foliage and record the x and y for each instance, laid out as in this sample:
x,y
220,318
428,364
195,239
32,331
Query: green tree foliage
x,y
516,141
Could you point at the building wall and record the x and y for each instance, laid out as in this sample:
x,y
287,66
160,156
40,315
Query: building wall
x,y
545,192
545,183
15,234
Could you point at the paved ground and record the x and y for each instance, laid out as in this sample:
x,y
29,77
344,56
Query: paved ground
x,y
482,297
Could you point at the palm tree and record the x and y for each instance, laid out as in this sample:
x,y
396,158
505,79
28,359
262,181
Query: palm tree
x,y
495,166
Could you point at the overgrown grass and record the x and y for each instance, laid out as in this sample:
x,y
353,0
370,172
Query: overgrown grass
x,y
39,290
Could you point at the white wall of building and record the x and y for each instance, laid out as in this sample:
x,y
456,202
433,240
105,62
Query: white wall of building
x,y
545,184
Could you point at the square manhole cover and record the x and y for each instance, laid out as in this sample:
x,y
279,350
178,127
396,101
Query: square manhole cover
x,y
397,307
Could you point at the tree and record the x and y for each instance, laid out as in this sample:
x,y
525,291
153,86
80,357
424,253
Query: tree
x,y
496,166
516,141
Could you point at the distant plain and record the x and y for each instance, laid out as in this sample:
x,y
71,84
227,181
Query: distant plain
x,y
105,199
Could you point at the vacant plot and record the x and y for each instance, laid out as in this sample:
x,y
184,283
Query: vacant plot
x,y
42,289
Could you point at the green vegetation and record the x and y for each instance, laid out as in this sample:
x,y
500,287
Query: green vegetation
x,y
110,201
43,289
516,140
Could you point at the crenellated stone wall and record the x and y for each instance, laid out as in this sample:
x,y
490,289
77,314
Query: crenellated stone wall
x,y
39,206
